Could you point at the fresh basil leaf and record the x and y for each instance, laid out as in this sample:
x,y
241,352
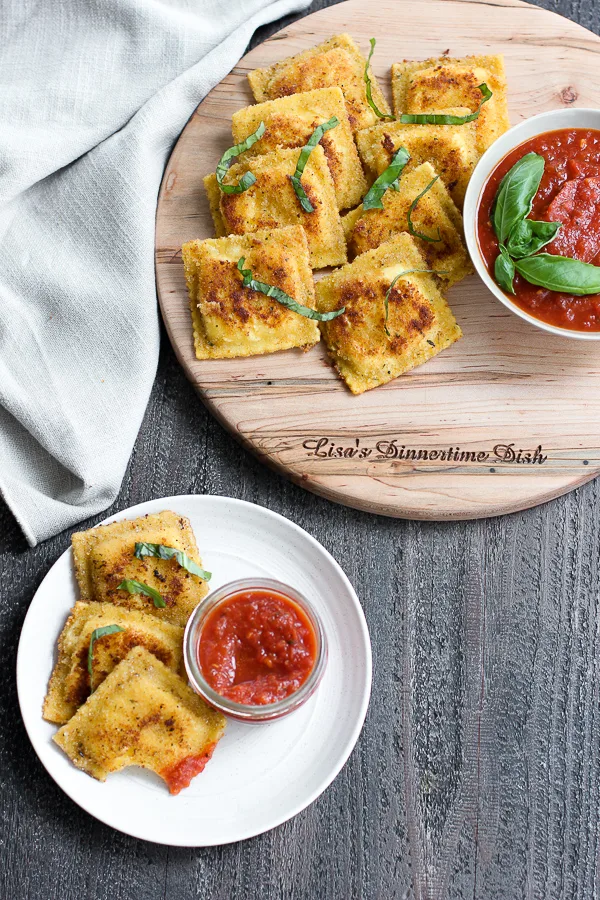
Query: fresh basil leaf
x,y
137,587
504,271
303,159
528,237
446,118
411,229
388,179
514,197
368,88
143,549
248,179
560,273
386,302
98,633
270,290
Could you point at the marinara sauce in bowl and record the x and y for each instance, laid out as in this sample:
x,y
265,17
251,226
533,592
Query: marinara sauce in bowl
x,y
255,649
568,194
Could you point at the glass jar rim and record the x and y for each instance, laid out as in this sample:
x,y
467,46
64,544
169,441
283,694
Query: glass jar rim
x,y
244,711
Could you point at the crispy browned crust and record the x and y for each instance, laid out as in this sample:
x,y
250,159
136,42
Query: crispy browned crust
x,y
230,320
337,61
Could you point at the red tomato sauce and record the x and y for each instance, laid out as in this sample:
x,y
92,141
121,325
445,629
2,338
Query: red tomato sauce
x,y
569,193
257,647
180,775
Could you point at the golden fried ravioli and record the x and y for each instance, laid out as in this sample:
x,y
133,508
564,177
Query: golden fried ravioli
x,y
271,202
420,322
70,683
337,61
435,216
104,557
231,320
290,121
450,148
143,714
435,85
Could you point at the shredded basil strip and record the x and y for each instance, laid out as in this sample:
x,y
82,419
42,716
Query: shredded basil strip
x,y
137,587
411,229
386,302
388,179
514,198
504,270
98,633
271,291
560,273
303,159
445,118
161,552
528,237
368,88
248,179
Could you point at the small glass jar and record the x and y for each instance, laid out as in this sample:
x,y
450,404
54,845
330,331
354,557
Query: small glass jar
x,y
245,712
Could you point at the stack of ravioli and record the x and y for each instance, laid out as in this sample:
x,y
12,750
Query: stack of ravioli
x,y
118,689
395,318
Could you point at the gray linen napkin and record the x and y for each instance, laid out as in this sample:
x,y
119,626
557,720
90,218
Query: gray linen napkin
x,y
93,93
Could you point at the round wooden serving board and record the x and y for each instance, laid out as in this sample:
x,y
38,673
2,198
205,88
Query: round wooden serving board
x,y
511,414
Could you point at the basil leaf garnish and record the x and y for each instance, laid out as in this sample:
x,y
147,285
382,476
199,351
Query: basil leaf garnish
x,y
529,236
388,179
368,89
443,118
303,159
161,552
248,179
560,273
504,270
514,197
137,587
386,302
411,229
98,633
271,291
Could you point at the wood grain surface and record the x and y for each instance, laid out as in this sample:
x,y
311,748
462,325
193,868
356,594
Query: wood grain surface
x,y
505,387
477,775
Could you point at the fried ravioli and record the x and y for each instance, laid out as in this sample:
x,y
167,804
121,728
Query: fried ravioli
x,y
104,557
290,121
435,85
143,714
420,322
435,210
337,61
271,202
70,686
450,148
230,320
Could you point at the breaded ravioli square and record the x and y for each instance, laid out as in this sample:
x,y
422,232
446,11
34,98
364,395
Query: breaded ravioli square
x,y
435,85
290,121
337,61
451,149
71,683
271,202
435,215
231,320
420,322
143,714
104,557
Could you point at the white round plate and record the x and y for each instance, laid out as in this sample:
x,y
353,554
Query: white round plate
x,y
260,775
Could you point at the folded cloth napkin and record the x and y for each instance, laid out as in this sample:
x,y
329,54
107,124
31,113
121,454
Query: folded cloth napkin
x,y
93,94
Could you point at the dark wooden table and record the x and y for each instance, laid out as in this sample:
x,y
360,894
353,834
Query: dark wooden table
x,y
478,771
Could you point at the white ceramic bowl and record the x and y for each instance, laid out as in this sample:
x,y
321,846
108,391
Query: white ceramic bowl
x,y
553,120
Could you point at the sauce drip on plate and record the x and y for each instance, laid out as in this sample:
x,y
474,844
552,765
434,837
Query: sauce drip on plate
x,y
257,647
569,193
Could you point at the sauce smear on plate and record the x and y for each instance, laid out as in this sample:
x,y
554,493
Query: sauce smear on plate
x,y
257,647
569,193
